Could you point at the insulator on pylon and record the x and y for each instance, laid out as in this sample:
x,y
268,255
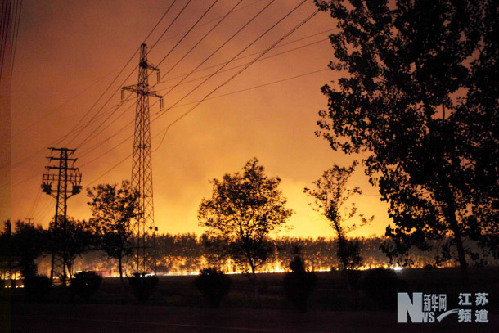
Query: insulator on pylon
x,y
47,188
76,189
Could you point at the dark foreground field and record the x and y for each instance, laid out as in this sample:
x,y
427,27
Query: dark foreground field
x,y
177,306
146,318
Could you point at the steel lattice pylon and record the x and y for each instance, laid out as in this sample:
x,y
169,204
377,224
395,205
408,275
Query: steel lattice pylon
x,y
144,227
66,179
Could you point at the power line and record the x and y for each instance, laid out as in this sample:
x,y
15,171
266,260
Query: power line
x,y
235,75
121,130
37,198
111,169
14,165
43,212
98,111
206,59
234,57
171,124
269,83
206,97
242,70
188,31
169,26
204,37
78,127
192,48
130,123
257,86
255,53
17,23
108,87
159,22
218,49
159,114
9,30
88,150
82,127
195,102
90,135
42,113
112,148
261,59
5,31
171,50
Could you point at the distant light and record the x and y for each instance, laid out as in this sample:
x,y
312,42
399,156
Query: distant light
x,y
397,269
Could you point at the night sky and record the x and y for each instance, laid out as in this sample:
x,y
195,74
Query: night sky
x,y
69,52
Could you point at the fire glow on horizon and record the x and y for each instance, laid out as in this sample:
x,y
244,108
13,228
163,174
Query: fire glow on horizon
x,y
67,54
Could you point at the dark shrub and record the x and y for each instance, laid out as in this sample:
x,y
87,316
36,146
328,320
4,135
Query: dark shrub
x,y
142,286
382,285
85,284
37,287
299,284
213,284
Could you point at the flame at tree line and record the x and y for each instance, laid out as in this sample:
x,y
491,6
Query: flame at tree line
x,y
185,254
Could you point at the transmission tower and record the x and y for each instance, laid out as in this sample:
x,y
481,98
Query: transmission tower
x,y
144,228
61,181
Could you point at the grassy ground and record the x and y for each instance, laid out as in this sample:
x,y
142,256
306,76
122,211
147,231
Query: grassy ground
x,y
177,306
331,293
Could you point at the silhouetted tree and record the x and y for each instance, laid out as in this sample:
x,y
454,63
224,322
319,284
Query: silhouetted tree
x,y
28,243
330,195
70,239
214,248
243,209
113,209
418,97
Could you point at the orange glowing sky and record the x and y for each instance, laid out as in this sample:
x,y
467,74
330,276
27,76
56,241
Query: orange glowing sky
x,y
68,52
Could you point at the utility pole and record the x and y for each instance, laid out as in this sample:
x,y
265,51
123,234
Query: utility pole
x,y
144,227
67,181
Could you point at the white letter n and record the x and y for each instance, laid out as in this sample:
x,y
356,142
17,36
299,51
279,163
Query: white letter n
x,y
414,307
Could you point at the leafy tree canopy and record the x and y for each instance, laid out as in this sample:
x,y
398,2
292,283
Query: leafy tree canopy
x,y
244,208
113,209
331,194
70,238
418,96
28,243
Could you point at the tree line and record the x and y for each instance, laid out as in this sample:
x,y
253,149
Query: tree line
x,y
187,253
